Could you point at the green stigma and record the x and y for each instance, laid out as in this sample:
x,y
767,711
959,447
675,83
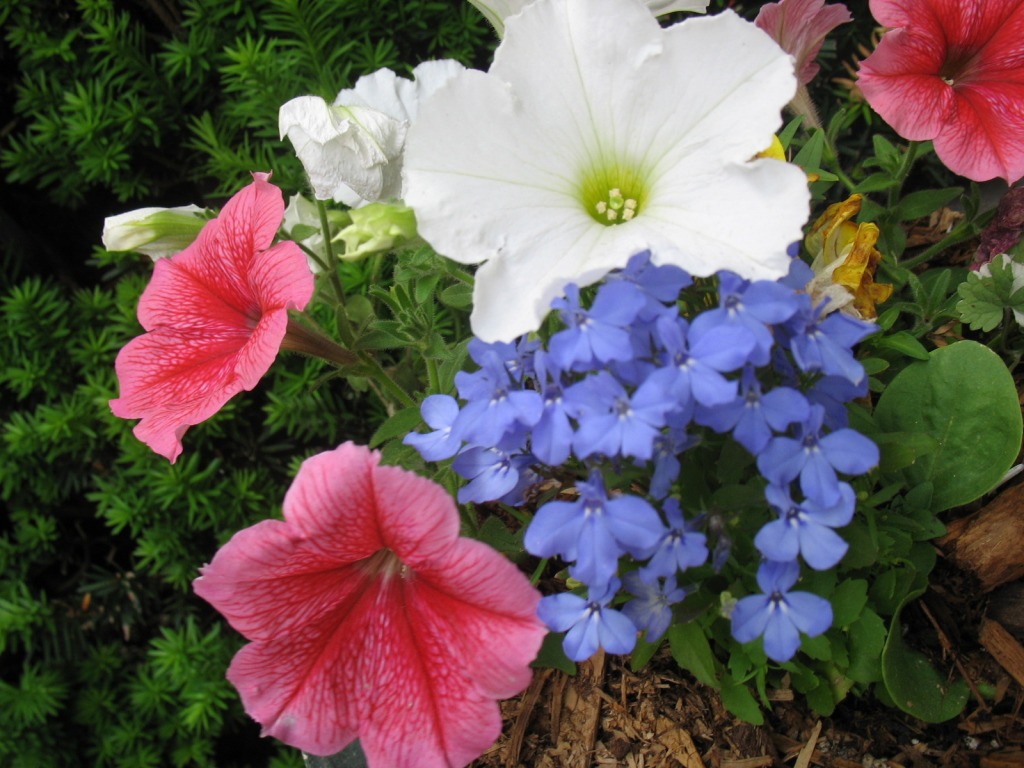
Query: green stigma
x,y
613,195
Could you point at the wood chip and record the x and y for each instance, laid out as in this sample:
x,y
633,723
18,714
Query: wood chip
x,y
1004,648
803,760
987,543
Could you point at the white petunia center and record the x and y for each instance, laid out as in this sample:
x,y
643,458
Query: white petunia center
x,y
616,208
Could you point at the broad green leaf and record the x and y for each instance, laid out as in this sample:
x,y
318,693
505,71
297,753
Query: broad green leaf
x,y
965,398
915,686
692,652
809,156
902,449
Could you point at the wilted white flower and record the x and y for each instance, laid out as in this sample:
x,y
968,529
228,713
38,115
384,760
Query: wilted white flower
x,y
352,150
595,135
156,232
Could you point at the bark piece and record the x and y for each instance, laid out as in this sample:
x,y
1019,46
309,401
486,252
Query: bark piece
x,y
988,542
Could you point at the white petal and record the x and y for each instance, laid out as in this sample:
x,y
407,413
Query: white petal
x,y
349,146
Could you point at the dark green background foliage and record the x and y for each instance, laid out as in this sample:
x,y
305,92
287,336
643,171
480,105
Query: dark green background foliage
x,y
106,657
139,98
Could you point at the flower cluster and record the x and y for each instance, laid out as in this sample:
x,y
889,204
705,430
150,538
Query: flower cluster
x,y
630,378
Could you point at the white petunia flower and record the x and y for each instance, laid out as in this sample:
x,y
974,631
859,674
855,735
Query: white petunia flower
x,y
496,11
597,134
352,150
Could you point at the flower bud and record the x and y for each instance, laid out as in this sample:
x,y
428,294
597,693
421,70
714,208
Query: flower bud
x,y
156,232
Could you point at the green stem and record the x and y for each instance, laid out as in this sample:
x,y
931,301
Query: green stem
x,y
832,158
345,330
386,382
433,377
461,275
902,172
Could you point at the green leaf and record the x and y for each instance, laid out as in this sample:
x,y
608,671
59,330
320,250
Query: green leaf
x,y
817,648
876,182
738,699
902,449
399,425
809,156
643,653
983,298
903,343
848,601
457,296
494,533
867,638
919,204
692,652
965,398
915,686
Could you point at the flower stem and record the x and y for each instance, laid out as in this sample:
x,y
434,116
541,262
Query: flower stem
x,y
902,172
309,341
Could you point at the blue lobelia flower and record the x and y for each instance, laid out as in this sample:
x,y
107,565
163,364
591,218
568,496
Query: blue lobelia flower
x,y
551,437
614,423
682,546
660,284
493,474
751,305
439,412
806,528
600,334
651,606
753,417
824,342
779,615
495,405
594,531
590,623
694,363
815,458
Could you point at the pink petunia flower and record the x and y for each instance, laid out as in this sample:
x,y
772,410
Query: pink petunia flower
x,y
800,28
370,618
215,316
953,71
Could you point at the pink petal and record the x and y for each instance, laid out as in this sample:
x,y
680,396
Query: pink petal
x,y
800,27
408,658
985,137
175,378
215,316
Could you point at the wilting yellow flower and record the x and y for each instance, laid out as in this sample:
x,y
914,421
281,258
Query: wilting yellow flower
x,y
845,260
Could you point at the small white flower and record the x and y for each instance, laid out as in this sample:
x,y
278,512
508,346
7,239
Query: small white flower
x,y
595,135
156,232
496,11
352,150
